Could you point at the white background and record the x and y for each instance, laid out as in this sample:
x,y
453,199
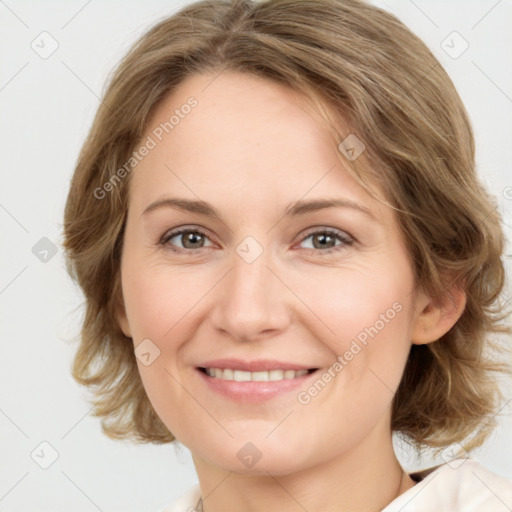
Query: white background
x,y
47,106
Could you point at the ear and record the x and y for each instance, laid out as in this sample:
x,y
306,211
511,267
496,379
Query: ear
x,y
435,318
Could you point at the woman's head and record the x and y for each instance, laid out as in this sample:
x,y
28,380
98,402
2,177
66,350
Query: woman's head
x,y
253,108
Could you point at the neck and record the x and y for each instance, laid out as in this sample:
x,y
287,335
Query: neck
x,y
366,479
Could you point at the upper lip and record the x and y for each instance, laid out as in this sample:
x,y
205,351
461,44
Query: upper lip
x,y
258,365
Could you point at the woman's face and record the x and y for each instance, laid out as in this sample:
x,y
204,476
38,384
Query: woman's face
x,y
266,284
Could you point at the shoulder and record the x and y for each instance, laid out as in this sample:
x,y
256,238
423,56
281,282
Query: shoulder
x,y
460,485
186,502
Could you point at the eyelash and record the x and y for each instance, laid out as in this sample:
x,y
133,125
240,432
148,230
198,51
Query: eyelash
x,y
345,238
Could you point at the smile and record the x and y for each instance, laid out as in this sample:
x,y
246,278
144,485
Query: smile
x,y
260,376
244,386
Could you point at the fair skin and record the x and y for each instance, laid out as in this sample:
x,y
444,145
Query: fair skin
x,y
250,148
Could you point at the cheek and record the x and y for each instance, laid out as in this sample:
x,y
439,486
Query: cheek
x,y
158,297
352,302
363,317
160,306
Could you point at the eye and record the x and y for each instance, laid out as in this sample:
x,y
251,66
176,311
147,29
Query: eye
x,y
191,238
194,238
324,239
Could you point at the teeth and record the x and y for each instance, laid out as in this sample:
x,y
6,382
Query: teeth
x,y
261,376
242,376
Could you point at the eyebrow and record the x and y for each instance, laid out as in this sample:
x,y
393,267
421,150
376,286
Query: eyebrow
x,y
294,209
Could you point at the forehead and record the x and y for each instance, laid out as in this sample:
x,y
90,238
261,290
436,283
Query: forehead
x,y
245,137
238,111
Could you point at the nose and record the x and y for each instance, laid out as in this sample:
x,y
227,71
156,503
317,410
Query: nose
x,y
252,301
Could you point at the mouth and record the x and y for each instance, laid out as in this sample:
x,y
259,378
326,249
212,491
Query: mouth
x,y
258,376
254,387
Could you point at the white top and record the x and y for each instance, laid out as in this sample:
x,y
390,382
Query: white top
x,y
461,485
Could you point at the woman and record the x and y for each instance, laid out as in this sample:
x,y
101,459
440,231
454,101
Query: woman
x,y
288,257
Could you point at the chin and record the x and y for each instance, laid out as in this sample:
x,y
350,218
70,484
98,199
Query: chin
x,y
256,458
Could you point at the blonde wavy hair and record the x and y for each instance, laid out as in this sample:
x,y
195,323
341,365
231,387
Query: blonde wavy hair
x,y
360,65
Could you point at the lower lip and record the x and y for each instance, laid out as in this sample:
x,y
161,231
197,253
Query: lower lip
x,y
254,391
